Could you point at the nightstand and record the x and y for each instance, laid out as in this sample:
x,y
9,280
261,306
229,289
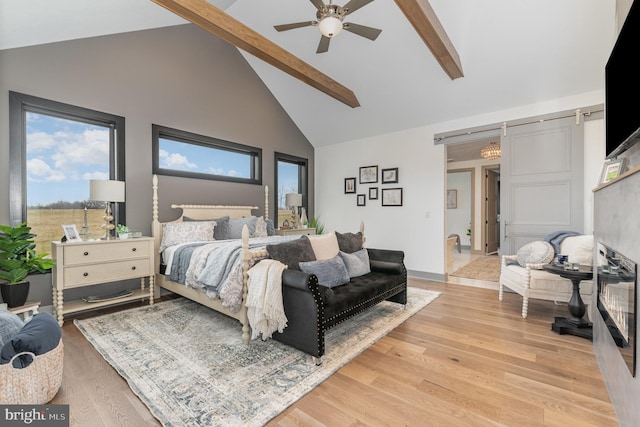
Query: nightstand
x,y
295,231
95,262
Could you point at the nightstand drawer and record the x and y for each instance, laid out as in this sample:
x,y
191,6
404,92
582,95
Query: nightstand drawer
x,y
107,272
89,254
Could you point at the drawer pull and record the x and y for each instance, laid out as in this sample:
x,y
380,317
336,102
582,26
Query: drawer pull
x,y
85,274
133,249
86,253
133,268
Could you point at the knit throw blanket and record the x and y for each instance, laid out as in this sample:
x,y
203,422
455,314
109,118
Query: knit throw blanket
x,y
265,309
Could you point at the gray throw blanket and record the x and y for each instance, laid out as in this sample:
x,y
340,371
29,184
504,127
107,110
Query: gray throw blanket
x,y
556,238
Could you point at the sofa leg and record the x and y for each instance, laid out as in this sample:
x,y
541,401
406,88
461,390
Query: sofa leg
x,y
317,360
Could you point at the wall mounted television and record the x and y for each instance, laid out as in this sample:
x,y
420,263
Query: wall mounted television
x,y
622,88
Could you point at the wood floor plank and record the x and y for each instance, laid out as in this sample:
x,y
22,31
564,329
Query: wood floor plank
x,y
466,359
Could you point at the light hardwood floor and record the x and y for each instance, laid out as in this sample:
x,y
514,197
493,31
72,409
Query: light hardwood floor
x,y
464,360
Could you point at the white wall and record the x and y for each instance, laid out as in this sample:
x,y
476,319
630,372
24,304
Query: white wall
x,y
459,218
418,227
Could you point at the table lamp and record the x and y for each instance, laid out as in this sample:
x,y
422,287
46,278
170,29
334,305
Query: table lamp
x,y
108,191
293,201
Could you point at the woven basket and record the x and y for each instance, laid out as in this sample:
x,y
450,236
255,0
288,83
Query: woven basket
x,y
36,384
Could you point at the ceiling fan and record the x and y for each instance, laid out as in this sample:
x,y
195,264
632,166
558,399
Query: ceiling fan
x,y
330,22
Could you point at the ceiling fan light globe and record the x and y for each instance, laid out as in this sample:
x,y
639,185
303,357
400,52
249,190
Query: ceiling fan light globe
x,y
330,26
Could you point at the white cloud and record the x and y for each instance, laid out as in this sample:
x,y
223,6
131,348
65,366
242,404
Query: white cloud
x,y
176,160
95,175
222,172
90,147
39,171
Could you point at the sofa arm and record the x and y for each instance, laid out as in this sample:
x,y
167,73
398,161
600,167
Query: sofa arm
x,y
386,261
304,310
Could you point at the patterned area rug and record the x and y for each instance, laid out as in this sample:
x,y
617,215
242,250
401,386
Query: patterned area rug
x,y
483,268
188,364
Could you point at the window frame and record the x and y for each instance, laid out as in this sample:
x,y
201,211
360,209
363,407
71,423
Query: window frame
x,y
185,137
303,180
19,105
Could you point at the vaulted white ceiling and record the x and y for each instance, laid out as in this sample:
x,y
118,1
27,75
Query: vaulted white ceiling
x,y
513,53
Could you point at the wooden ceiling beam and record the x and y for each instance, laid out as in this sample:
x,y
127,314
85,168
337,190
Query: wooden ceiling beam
x,y
428,26
215,21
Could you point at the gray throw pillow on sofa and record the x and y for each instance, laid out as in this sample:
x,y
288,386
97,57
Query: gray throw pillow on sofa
x,y
293,252
357,263
330,272
349,242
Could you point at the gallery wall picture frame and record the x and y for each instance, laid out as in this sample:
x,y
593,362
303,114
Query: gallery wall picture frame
x,y
349,185
71,232
362,200
612,169
390,176
373,193
392,197
368,174
452,199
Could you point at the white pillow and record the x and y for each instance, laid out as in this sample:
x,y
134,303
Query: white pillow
x,y
174,233
261,228
578,248
537,252
325,246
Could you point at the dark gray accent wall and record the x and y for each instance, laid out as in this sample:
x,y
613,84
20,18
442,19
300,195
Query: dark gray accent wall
x,y
616,225
181,77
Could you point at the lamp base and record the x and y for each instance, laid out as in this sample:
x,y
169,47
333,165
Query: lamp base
x,y
107,226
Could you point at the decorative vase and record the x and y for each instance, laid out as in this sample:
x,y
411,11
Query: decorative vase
x,y
15,294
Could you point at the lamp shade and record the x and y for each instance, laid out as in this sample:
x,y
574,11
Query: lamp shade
x,y
293,200
105,190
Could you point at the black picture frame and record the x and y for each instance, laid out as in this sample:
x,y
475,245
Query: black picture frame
x,y
361,200
392,196
349,185
373,193
390,176
368,174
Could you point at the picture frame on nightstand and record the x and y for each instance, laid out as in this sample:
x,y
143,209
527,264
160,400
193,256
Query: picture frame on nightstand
x,y
71,232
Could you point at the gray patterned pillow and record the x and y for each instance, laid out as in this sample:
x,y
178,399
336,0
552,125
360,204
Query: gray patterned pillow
x,y
236,224
330,272
261,228
174,233
221,231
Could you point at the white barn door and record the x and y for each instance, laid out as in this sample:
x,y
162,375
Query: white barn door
x,y
541,181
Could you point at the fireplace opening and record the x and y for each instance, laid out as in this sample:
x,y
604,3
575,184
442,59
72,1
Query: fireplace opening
x,y
617,290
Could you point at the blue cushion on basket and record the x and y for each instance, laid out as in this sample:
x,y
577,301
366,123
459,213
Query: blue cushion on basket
x,y
40,335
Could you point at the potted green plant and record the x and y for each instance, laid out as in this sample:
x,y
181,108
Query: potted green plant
x,y
123,231
18,259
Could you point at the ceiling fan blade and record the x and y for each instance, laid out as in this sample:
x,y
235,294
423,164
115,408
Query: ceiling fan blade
x,y
286,27
319,4
361,30
323,46
354,5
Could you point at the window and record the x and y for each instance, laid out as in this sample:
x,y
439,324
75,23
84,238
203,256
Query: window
x,y
291,177
181,153
55,150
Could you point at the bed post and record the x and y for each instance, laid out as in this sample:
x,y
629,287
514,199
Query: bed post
x,y
156,232
362,232
246,257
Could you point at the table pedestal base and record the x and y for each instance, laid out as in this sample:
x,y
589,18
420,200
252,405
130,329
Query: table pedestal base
x,y
577,327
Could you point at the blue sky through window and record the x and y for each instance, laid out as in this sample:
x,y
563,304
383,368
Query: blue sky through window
x,y
62,156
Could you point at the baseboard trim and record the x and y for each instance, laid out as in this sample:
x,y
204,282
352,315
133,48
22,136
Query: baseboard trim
x,y
424,275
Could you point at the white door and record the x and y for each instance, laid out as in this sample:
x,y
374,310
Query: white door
x,y
541,181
